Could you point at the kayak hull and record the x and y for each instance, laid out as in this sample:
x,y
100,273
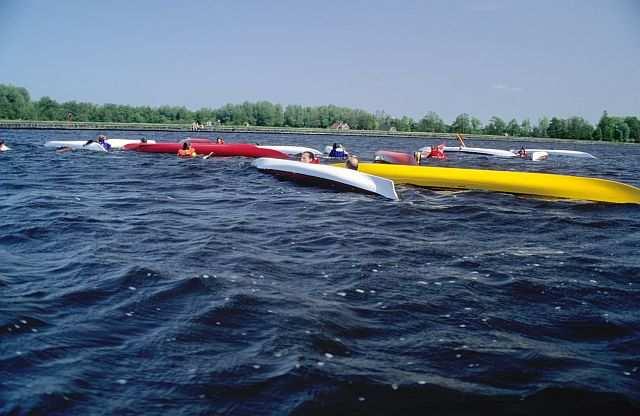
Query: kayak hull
x,y
477,151
560,152
292,150
324,174
81,144
219,150
396,158
528,183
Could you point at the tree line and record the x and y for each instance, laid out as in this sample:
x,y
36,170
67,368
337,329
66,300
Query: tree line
x,y
16,104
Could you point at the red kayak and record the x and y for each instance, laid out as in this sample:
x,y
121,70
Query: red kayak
x,y
221,150
396,158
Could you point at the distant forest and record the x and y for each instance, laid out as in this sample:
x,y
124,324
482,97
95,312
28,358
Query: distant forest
x,y
16,104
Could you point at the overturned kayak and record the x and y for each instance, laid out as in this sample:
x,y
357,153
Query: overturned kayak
x,y
82,144
292,150
328,176
476,151
528,183
396,158
219,150
559,152
76,145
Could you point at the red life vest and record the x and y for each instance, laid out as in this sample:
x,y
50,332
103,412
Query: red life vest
x,y
437,152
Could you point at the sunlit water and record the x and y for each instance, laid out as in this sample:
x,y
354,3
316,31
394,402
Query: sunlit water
x,y
143,284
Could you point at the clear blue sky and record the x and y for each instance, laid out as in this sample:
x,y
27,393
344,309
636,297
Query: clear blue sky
x,y
487,57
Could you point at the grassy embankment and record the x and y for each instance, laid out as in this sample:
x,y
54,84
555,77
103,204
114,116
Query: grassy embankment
x,y
63,125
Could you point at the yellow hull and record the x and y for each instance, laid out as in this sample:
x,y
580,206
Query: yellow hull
x,y
543,184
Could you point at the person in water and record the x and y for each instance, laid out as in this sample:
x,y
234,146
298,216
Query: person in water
x,y
187,150
219,140
435,152
3,147
337,151
352,162
308,157
102,141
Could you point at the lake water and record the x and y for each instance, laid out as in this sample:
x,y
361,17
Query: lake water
x,y
143,284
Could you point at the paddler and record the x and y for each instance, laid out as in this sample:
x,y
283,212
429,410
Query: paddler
x,y
187,150
3,147
102,141
337,150
522,153
219,140
352,162
435,152
308,157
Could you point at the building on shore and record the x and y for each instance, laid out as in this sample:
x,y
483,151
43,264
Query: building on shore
x,y
339,125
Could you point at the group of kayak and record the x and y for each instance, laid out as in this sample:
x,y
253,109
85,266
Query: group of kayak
x,y
388,167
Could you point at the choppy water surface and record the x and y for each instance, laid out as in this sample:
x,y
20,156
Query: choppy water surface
x,y
142,284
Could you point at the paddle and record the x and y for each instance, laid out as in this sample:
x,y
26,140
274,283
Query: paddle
x,y
208,156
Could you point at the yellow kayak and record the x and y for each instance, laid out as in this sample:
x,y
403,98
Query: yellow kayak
x,y
529,183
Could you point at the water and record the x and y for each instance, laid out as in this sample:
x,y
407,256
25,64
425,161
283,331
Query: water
x,y
142,284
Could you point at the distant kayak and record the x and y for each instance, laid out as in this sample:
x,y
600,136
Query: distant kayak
x,y
476,150
514,152
292,150
396,158
4,147
529,183
82,144
219,150
559,152
77,145
328,176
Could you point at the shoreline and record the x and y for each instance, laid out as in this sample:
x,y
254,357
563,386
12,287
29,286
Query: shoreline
x,y
153,127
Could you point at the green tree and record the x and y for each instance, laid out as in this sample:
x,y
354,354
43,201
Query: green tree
x,y
432,122
557,128
526,130
496,126
14,103
462,124
513,128
542,129
578,128
634,128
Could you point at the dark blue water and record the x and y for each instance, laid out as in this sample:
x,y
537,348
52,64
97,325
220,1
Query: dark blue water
x,y
143,284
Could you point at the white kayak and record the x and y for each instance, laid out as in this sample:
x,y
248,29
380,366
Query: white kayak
x,y
4,147
346,177
474,150
293,150
82,144
560,152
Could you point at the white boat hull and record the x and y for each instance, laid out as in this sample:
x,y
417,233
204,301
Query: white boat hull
x,y
560,152
476,151
351,178
293,150
81,144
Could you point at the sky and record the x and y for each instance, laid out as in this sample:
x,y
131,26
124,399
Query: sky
x,y
511,59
